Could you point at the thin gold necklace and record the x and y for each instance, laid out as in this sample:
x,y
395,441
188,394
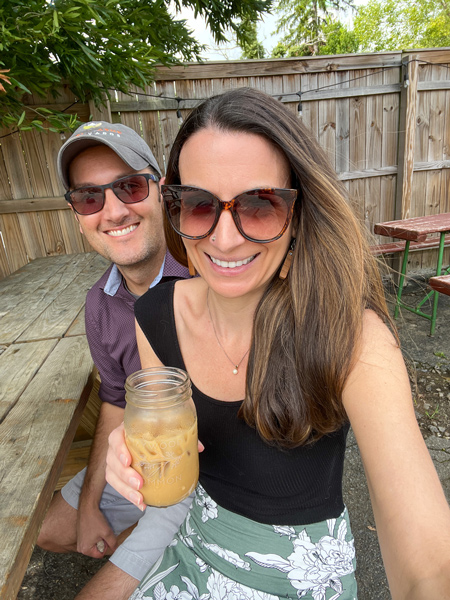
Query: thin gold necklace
x,y
236,366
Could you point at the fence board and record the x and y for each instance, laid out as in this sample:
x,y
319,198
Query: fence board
x,y
16,167
31,235
16,253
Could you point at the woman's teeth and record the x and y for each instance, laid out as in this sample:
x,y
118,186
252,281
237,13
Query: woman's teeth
x,y
118,232
232,264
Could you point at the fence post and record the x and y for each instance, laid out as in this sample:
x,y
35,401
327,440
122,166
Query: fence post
x,y
407,136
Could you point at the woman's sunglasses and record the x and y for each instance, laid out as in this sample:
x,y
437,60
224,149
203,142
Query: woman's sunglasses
x,y
91,198
261,215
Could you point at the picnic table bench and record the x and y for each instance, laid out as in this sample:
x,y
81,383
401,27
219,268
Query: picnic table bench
x,y
46,373
417,233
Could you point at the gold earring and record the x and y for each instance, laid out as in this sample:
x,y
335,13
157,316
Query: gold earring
x,y
287,261
192,271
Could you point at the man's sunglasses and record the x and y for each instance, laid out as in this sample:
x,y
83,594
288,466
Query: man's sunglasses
x,y
261,215
91,198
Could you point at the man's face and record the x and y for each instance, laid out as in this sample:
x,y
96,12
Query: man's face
x,y
126,234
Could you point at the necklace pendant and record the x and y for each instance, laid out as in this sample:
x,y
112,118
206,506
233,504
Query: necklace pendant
x,y
235,371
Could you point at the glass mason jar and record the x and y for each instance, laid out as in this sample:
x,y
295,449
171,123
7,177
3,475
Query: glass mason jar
x,y
161,433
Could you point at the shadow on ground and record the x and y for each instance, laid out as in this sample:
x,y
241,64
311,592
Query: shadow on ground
x,y
55,577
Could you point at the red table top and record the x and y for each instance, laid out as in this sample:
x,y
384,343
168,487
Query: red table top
x,y
416,229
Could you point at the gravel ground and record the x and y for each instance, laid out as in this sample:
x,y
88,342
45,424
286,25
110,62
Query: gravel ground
x,y
55,577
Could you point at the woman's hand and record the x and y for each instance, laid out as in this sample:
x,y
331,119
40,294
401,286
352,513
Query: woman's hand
x,y
119,473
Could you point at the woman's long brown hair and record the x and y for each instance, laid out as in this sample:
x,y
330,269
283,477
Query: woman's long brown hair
x,y
307,327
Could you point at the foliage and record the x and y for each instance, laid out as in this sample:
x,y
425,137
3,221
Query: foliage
x,y
96,45
401,24
251,47
337,40
304,23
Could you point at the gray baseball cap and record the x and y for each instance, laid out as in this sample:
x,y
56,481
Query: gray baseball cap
x,y
125,142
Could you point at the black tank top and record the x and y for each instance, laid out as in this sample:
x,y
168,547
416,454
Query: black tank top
x,y
238,469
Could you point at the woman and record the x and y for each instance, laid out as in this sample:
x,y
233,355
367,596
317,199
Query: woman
x,y
289,314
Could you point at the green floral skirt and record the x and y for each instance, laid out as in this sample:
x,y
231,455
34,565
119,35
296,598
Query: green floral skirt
x,y
219,555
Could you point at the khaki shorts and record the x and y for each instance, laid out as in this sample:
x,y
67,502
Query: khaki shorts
x,y
154,531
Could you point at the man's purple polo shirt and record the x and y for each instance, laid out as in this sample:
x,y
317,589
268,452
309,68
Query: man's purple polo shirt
x,y
111,332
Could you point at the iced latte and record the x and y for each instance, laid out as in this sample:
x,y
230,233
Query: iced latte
x,y
167,461
161,433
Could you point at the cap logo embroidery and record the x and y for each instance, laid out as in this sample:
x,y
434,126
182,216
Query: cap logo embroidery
x,y
92,125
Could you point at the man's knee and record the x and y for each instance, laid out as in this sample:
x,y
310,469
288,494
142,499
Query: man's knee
x,y
58,531
110,583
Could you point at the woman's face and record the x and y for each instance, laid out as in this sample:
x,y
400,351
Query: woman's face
x,y
227,164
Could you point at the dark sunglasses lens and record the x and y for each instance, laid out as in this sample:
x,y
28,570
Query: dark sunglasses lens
x,y
263,214
131,189
192,211
87,201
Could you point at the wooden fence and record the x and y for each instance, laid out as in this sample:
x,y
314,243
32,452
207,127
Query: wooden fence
x,y
384,120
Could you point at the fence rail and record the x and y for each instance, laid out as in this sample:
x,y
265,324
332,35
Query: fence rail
x,y
383,119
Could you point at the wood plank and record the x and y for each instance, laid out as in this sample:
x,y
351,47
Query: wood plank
x,y
28,456
77,326
168,119
38,169
31,235
342,151
5,188
76,460
31,306
327,118
89,418
4,266
33,205
30,276
16,167
51,233
374,126
433,85
358,134
408,108
286,66
416,229
19,363
52,143
152,133
157,104
72,237
15,250
391,104
57,317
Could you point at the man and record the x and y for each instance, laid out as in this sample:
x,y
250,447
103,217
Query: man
x,y
113,182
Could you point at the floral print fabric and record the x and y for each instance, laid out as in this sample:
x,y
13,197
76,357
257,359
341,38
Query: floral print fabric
x,y
219,555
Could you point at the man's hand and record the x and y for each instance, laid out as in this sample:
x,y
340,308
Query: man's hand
x,y
94,535
92,527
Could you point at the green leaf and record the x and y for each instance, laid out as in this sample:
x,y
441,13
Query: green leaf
x,y
21,120
55,20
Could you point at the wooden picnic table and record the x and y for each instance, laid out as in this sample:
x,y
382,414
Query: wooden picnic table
x,y
418,229
46,373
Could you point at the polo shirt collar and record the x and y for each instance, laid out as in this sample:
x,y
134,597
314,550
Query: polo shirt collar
x,y
115,279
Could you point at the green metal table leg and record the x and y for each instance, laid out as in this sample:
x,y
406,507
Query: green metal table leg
x,y
402,279
438,272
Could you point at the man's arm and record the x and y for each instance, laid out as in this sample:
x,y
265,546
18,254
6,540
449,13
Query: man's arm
x,y
92,525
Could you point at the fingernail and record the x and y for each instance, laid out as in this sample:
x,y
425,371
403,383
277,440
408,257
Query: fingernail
x,y
134,498
135,483
123,460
